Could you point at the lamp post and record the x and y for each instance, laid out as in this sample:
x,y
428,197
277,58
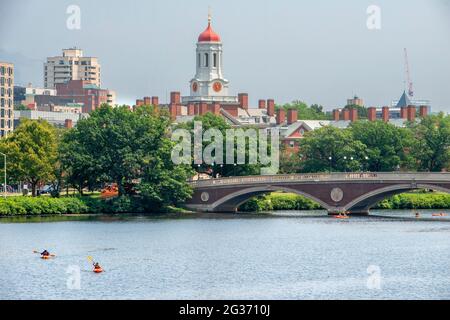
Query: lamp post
x,y
4,186
330,158
367,163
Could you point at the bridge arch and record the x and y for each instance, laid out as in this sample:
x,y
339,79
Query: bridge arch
x,y
363,203
232,201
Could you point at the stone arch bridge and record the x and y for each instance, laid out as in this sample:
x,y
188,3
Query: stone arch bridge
x,y
335,192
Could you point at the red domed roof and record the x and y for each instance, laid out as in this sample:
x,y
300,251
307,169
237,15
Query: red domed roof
x,y
208,35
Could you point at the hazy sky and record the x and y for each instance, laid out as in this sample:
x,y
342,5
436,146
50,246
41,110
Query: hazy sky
x,y
317,51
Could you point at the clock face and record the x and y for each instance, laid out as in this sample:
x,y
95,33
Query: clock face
x,y
195,86
217,86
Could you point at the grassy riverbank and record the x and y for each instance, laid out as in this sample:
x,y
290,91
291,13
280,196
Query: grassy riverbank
x,y
45,205
287,201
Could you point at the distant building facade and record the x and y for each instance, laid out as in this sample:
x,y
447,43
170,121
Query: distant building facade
x,y
355,101
72,65
6,98
57,119
80,91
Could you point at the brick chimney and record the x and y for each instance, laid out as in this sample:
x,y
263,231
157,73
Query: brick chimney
x,y
372,114
353,115
203,108
155,101
270,107
175,97
173,111
385,114
404,112
215,108
336,115
139,102
191,109
292,116
261,104
346,114
147,101
411,113
243,100
68,124
281,116
423,111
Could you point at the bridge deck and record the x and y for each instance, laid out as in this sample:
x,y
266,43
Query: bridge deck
x,y
324,177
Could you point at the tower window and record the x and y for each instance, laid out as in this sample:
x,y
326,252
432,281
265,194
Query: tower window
x,y
215,60
206,60
198,60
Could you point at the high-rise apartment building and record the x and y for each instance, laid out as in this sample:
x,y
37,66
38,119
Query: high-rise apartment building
x,y
72,65
6,98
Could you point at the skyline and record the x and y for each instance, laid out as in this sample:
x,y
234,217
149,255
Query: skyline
x,y
341,58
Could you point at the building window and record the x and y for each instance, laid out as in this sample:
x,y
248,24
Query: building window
x,y
206,60
215,60
291,144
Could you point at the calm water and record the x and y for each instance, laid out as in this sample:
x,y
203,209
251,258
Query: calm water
x,y
298,256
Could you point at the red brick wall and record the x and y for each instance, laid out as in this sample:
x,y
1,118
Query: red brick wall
x,y
372,114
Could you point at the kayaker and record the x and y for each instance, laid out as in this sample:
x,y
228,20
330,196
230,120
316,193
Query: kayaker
x,y
45,253
96,265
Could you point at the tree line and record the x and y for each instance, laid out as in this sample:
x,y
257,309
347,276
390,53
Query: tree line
x,y
374,146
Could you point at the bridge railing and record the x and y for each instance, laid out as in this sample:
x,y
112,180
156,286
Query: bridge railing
x,y
320,177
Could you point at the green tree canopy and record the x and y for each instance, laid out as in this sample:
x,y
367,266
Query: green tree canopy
x,y
431,142
129,148
330,148
31,152
385,144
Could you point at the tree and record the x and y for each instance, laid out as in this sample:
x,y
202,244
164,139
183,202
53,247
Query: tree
x,y
432,142
386,145
330,148
129,148
212,121
305,112
32,153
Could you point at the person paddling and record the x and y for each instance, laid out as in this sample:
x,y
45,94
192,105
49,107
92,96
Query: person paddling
x,y
45,253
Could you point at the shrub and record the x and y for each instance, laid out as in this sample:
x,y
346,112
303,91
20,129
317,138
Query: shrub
x,y
41,205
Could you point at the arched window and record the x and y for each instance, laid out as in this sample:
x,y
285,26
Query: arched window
x,y
198,60
206,60
215,60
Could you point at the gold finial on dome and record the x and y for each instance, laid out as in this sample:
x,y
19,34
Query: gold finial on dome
x,y
209,15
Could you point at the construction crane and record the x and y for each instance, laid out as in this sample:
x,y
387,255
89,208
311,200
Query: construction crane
x,y
408,83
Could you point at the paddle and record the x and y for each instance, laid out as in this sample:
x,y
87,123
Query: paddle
x,y
92,261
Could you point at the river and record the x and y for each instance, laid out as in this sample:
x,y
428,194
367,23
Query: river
x,y
287,255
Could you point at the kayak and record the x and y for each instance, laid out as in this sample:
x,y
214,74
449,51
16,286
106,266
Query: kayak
x,y
439,215
341,217
98,270
45,257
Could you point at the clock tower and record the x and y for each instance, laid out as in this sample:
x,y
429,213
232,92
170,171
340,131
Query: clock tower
x,y
209,84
